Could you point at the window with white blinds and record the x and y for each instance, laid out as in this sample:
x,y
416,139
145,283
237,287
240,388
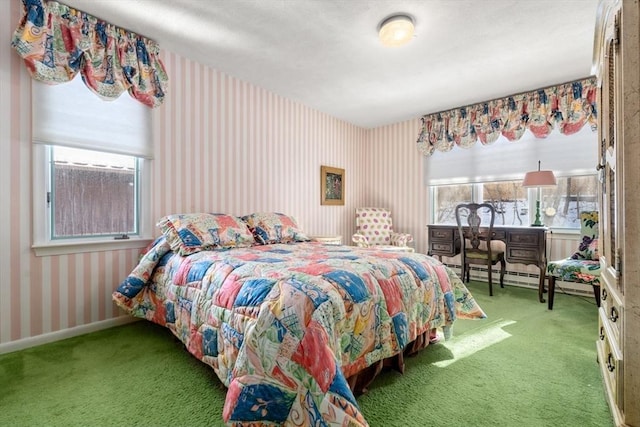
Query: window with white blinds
x,y
90,175
565,155
71,115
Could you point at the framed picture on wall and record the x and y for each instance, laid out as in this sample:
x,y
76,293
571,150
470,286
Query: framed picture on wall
x,y
331,186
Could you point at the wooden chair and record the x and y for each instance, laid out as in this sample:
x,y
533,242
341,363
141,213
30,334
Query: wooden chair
x,y
584,265
475,226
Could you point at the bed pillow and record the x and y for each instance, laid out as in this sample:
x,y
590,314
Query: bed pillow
x,y
190,233
273,227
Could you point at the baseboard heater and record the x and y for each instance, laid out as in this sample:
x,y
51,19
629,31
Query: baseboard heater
x,y
524,280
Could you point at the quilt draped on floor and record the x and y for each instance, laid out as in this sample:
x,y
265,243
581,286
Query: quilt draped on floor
x,y
284,325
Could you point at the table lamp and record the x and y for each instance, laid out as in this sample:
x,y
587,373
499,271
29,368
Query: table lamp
x,y
538,179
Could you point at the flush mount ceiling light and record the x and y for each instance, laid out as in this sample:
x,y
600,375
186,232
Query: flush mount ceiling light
x,y
396,30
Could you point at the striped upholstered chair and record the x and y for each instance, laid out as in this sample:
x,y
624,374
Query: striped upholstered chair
x,y
374,229
584,265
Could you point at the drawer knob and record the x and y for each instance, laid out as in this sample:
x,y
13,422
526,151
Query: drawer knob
x,y
610,366
614,314
604,294
601,333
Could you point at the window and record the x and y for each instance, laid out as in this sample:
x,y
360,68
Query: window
x,y
90,167
560,206
515,205
92,194
494,173
444,199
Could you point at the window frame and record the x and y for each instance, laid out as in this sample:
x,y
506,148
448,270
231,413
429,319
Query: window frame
x,y
125,128
44,245
477,191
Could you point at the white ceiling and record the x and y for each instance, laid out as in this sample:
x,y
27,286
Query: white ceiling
x,y
326,54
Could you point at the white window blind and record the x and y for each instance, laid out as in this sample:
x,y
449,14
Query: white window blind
x,y
575,154
69,114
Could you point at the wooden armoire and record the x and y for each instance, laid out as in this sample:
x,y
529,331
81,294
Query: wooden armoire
x,y
617,67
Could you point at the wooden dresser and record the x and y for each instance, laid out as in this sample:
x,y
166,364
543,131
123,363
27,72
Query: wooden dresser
x,y
617,67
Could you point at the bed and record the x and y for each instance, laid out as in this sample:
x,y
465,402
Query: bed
x,y
293,328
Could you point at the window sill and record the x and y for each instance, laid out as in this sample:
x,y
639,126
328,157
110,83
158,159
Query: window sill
x,y
66,248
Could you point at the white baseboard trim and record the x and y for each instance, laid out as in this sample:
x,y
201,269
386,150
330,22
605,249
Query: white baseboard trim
x,y
24,343
526,280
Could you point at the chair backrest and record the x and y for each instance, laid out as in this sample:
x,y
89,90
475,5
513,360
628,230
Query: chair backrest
x,y
589,224
375,224
589,230
473,217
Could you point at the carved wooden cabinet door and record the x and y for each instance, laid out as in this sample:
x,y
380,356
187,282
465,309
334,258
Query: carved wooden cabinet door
x,y
609,346
608,155
617,66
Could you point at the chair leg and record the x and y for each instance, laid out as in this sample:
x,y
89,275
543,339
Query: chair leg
x,y
490,282
596,293
552,291
503,267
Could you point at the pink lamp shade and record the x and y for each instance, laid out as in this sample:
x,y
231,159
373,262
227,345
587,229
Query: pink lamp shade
x,y
539,179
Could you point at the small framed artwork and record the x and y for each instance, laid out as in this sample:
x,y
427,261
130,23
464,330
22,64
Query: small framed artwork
x,y
331,186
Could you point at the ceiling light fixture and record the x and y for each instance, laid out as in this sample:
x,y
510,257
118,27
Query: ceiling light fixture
x,y
396,30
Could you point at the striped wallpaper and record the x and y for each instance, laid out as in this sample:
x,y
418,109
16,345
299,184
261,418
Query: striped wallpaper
x,y
221,144
225,145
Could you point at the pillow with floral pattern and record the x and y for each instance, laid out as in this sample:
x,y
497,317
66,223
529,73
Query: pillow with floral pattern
x,y
273,227
193,232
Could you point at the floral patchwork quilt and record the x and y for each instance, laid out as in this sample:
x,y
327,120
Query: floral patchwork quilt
x,y
284,325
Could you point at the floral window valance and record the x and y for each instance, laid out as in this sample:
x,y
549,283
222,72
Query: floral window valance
x,y
568,106
57,42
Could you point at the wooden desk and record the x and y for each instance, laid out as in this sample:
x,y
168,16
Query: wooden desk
x,y
524,245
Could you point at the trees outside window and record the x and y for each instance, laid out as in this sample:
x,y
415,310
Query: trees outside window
x,y
515,206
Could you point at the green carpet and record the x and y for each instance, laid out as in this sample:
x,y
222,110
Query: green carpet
x,y
523,366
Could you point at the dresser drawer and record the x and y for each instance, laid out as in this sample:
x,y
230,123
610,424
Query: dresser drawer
x,y
523,254
499,235
611,362
445,248
611,309
444,241
442,233
524,238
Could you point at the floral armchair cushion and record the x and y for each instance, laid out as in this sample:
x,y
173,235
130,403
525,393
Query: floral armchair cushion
x,y
574,270
583,266
374,227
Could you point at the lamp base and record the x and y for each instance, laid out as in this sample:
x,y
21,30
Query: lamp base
x,y
537,222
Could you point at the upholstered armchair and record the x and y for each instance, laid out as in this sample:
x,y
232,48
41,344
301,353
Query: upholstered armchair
x,y
374,229
584,265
